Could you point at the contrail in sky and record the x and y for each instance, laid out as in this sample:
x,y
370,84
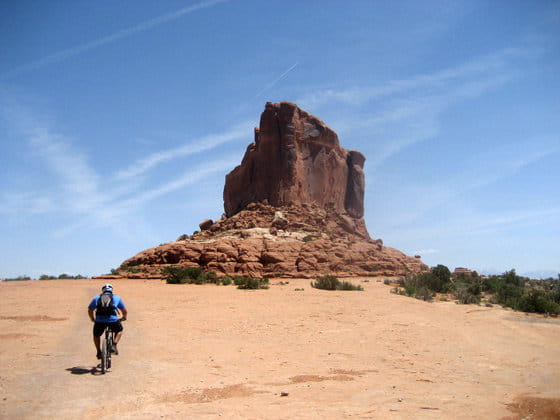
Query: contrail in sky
x,y
275,81
141,27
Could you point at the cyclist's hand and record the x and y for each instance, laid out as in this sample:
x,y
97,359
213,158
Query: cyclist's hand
x,y
122,319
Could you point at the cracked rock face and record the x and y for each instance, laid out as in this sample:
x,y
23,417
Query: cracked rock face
x,y
296,159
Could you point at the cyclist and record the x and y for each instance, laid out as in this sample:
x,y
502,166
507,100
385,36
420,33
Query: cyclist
x,y
105,306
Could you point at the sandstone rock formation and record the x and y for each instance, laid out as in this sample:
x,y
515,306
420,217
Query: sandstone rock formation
x,y
296,159
293,208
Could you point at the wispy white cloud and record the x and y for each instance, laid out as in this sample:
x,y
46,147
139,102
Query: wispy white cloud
x,y
409,111
202,144
467,224
511,220
124,33
478,69
118,210
84,198
188,178
482,172
16,203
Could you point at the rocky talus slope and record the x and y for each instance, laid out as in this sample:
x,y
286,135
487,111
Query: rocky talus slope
x,y
294,241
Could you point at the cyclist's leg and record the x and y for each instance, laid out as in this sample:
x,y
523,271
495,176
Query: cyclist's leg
x,y
117,337
97,342
117,329
98,329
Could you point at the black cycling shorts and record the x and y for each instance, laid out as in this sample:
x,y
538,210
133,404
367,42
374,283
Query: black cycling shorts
x,y
99,327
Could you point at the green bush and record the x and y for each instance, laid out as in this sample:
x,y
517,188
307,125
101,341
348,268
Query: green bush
x,y
226,280
330,282
507,289
129,269
175,275
442,273
537,301
467,293
191,275
346,285
417,290
250,283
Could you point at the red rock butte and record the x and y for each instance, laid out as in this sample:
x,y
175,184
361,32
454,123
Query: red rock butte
x,y
293,208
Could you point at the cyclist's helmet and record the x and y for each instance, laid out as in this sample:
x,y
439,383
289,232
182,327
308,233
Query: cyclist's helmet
x,y
107,288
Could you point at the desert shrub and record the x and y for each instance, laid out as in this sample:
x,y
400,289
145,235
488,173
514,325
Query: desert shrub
x,y
417,290
442,273
467,293
192,275
183,237
537,301
65,276
425,285
435,282
387,282
129,269
346,285
508,294
226,280
250,283
211,277
507,289
175,275
423,293
18,278
330,282
307,238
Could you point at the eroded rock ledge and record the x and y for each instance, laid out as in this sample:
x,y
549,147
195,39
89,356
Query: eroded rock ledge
x,y
286,241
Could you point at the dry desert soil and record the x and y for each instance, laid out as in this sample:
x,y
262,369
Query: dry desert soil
x,y
218,352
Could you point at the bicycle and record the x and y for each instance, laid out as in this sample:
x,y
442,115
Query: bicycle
x,y
106,349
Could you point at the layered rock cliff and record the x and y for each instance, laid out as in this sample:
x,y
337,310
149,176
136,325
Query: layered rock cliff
x,y
296,159
293,208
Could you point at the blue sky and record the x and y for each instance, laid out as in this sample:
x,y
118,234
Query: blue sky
x,y
119,121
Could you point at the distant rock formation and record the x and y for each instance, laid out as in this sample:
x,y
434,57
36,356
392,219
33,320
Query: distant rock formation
x,y
293,208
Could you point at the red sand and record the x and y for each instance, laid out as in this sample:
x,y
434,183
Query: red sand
x,y
216,351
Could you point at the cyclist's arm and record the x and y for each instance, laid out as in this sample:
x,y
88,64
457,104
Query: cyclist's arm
x,y
124,313
90,313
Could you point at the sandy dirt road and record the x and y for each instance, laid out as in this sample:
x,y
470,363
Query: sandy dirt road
x,y
218,352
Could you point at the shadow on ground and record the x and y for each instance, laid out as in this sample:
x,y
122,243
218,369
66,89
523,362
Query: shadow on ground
x,y
79,370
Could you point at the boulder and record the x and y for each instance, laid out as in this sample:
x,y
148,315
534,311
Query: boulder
x,y
205,224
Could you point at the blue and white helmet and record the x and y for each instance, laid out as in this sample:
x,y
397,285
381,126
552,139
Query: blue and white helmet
x,y
107,288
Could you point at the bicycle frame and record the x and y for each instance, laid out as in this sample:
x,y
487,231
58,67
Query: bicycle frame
x,y
106,347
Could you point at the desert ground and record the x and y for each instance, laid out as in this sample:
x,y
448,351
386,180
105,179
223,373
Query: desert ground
x,y
215,351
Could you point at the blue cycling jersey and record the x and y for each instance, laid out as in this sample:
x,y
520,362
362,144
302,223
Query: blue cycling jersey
x,y
117,301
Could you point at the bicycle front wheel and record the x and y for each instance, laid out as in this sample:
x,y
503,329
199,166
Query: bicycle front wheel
x,y
105,355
